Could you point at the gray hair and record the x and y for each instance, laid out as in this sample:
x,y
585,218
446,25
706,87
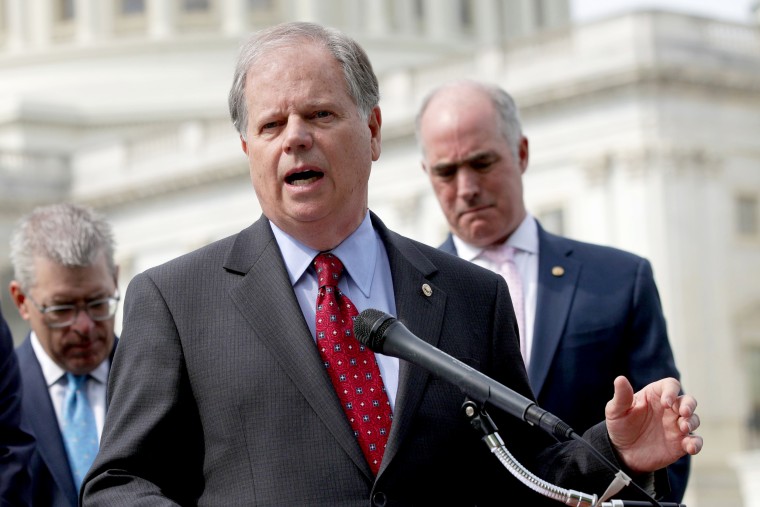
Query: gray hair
x,y
70,235
357,69
503,103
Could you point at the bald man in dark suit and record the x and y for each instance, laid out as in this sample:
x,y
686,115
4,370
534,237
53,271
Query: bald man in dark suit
x,y
590,312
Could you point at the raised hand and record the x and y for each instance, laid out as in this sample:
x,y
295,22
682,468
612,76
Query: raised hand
x,y
653,427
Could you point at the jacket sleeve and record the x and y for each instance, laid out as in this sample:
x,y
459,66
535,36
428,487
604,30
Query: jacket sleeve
x,y
16,445
150,445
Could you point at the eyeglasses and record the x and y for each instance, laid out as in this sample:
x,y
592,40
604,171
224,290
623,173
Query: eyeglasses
x,y
65,315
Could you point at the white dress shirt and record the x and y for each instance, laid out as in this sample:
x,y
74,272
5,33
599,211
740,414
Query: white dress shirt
x,y
55,378
366,281
525,242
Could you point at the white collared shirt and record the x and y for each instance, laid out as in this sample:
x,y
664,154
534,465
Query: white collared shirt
x,y
55,378
366,281
525,242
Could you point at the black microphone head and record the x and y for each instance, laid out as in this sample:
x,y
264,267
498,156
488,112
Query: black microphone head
x,y
370,326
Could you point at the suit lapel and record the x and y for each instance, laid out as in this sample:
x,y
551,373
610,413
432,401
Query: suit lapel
x,y
448,245
553,301
422,315
40,415
278,322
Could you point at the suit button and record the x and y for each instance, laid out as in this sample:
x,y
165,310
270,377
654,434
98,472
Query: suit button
x,y
379,499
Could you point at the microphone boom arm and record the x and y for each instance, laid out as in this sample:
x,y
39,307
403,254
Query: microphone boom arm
x,y
384,334
474,384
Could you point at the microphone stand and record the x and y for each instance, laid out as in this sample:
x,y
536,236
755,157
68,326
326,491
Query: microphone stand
x,y
482,422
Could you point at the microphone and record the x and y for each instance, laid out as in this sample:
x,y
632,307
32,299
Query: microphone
x,y
385,334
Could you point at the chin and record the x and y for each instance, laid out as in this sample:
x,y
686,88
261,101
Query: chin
x,y
85,363
479,238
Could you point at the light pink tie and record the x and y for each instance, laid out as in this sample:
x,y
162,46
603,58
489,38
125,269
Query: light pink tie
x,y
502,257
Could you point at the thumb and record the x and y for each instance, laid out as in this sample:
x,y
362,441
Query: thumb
x,y
622,400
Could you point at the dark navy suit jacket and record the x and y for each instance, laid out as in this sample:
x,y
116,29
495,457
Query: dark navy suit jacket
x,y
600,318
16,446
52,482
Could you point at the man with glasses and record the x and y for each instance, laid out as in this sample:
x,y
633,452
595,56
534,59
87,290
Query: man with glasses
x,y
65,286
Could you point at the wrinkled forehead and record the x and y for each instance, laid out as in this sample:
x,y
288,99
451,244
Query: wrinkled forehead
x,y
55,280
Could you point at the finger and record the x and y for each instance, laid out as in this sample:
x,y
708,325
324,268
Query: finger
x,y
685,405
689,425
622,399
692,444
670,389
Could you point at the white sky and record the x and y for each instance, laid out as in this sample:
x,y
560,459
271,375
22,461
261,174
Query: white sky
x,y
734,10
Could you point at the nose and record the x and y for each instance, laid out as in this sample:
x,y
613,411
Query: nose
x,y
468,185
297,135
83,323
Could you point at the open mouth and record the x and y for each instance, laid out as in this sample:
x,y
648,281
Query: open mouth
x,y
303,178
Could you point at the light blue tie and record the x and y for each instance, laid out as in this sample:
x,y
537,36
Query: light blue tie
x,y
79,431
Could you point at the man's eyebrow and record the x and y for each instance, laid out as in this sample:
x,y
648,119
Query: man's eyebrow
x,y
480,155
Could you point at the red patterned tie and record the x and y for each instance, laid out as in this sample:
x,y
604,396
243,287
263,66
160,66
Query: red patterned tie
x,y
352,368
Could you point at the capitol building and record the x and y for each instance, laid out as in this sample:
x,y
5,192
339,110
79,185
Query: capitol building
x,y
644,130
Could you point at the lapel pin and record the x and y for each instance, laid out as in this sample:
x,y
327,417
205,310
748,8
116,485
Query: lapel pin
x,y
558,271
427,290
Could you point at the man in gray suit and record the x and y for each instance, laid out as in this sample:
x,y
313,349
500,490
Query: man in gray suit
x,y
218,394
591,312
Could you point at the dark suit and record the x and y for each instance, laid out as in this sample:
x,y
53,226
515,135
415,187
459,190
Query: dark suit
x,y
52,482
16,446
601,318
218,395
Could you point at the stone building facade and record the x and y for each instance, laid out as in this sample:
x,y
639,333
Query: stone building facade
x,y
644,131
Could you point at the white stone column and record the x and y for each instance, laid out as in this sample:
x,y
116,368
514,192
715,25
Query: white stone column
x,y
16,25
89,20
162,18
316,11
405,17
747,466
378,22
512,19
234,16
40,22
442,20
354,18
556,12
486,17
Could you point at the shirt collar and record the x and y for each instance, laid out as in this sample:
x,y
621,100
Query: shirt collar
x,y
357,253
525,238
54,373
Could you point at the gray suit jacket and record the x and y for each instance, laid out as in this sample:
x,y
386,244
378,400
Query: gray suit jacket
x,y
218,395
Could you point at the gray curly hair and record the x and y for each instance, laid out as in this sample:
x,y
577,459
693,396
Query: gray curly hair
x,y
70,235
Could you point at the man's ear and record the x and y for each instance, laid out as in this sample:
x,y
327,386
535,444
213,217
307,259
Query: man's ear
x,y
18,297
244,145
375,121
523,152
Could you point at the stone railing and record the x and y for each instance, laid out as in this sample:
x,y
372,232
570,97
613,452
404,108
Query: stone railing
x,y
31,178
